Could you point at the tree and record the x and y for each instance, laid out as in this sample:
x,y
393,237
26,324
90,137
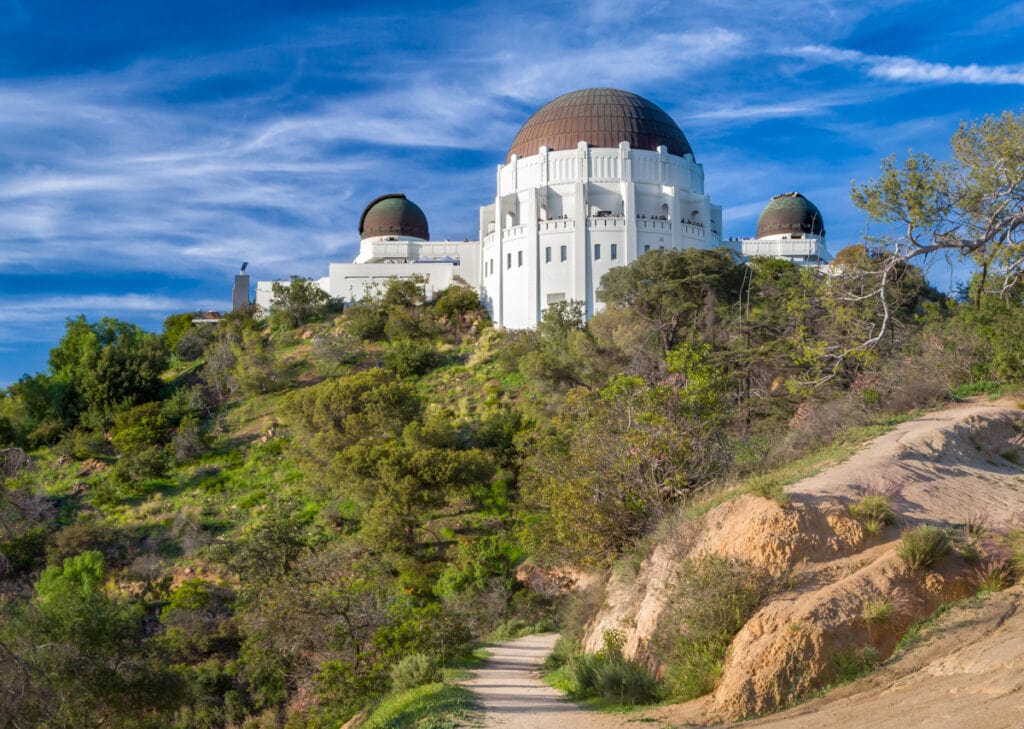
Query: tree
x,y
298,302
675,290
602,473
369,406
972,206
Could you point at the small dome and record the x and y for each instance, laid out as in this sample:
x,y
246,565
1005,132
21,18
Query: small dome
x,y
393,215
601,118
790,212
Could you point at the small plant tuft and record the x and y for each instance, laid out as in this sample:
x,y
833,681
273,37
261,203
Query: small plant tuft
x,y
923,545
769,488
852,663
874,511
1014,542
878,610
994,575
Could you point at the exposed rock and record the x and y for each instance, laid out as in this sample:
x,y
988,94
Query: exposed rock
x,y
90,467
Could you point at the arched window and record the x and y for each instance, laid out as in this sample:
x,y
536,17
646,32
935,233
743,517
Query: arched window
x,y
510,219
664,211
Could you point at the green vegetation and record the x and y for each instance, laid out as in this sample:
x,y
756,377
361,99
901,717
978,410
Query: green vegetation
x,y
852,663
716,597
769,488
923,546
605,678
878,610
874,511
285,521
433,706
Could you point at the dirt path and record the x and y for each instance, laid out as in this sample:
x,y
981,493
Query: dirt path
x,y
941,473
513,696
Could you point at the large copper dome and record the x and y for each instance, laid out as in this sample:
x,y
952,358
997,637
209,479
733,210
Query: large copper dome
x,y
602,118
790,212
393,215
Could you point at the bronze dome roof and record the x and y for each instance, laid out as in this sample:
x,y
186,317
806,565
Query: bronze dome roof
x,y
393,215
790,212
602,118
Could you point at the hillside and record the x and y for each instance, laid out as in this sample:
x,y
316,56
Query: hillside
x,y
294,519
952,467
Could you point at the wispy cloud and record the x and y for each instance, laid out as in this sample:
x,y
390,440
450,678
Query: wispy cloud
x,y
912,70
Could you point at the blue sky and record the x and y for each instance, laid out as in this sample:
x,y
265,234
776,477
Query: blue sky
x,y
148,148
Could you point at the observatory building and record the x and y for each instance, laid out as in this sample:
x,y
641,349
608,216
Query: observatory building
x,y
593,180
789,227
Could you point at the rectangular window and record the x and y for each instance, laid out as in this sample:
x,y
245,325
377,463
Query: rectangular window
x,y
508,260
615,251
646,248
564,253
520,259
547,255
597,251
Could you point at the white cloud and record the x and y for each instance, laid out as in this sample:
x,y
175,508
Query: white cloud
x,y
911,70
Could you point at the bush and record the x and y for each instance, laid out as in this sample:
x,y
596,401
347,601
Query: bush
x,y
409,357
769,488
416,669
188,441
611,676
874,512
138,428
994,575
716,598
366,321
878,610
923,545
1015,545
852,663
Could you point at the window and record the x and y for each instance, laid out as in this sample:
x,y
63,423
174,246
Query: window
x,y
547,255
646,248
564,253
520,259
597,251
508,260
615,251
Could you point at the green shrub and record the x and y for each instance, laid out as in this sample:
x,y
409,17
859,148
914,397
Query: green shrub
x,y
986,387
716,598
878,610
24,551
769,488
923,545
408,357
994,575
1014,542
565,648
696,668
625,682
852,663
416,669
874,511
609,675
366,321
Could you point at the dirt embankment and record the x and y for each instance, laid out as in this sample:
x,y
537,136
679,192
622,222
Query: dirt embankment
x,y
948,467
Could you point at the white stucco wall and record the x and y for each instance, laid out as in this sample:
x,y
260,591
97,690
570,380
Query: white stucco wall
x,y
585,201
